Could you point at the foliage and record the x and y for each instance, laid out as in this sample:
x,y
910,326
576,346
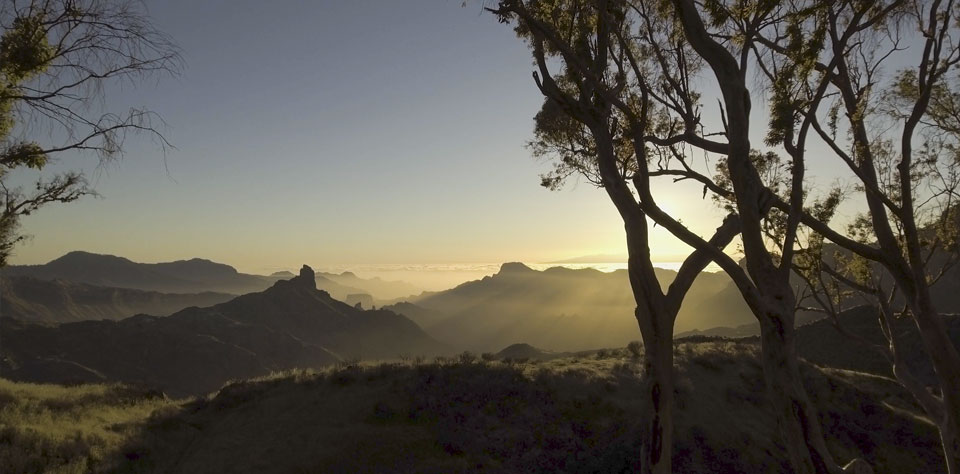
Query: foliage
x,y
56,59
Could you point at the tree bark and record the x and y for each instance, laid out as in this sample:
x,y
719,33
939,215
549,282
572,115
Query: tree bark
x,y
796,416
655,319
946,363
657,447
951,447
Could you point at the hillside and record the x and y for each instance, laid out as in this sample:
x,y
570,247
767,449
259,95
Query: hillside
x,y
561,309
821,343
463,415
196,350
60,301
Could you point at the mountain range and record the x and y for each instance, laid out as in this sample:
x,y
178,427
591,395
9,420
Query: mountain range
x,y
196,275
61,301
561,309
182,276
196,350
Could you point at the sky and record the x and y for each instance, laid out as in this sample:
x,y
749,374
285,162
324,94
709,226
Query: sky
x,y
339,132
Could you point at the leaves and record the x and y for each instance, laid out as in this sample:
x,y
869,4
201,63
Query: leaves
x,y
24,48
55,58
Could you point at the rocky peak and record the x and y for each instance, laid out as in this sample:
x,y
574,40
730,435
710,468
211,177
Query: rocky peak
x,y
514,267
307,277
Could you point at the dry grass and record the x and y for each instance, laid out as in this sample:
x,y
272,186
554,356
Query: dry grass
x,y
50,428
467,414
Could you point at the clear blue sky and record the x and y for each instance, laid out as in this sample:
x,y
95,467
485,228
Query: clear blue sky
x,y
341,131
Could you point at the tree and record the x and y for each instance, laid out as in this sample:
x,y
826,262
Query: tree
x,y
633,67
56,58
902,133
580,126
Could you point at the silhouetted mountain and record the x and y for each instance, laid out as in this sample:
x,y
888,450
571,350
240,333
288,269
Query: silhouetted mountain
x,y
561,308
291,324
30,299
189,276
184,276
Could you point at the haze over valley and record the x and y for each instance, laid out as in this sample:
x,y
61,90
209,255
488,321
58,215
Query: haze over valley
x,y
480,236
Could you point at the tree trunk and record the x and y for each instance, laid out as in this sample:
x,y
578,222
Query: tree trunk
x,y
796,417
657,332
951,446
946,363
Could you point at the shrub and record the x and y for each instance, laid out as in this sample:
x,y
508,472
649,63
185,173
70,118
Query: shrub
x,y
635,348
467,357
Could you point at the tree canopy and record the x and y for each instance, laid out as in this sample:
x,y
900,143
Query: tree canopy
x,y
57,59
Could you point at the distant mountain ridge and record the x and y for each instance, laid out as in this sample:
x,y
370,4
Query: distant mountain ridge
x,y
561,309
60,301
182,276
376,287
196,350
196,275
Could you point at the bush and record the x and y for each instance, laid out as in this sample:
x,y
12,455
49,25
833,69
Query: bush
x,y
635,348
488,356
467,357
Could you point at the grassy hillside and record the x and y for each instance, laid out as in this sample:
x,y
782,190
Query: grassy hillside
x,y
51,428
467,415
821,343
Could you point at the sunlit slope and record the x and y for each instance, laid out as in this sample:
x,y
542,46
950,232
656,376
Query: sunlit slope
x,y
54,429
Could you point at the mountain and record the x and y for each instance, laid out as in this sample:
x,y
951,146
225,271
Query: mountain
x,y
375,287
184,276
822,344
196,350
194,276
59,301
944,293
561,308
422,316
